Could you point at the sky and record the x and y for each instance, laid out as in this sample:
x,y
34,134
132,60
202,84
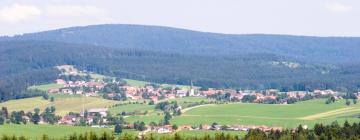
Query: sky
x,y
294,17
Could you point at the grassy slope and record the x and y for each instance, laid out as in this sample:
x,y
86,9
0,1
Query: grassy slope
x,y
53,131
36,131
157,115
185,101
261,114
27,104
63,103
136,83
46,87
132,108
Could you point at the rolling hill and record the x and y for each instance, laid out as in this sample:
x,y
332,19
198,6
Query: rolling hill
x,y
176,56
156,38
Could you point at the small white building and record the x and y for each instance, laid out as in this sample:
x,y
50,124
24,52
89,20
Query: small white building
x,y
102,111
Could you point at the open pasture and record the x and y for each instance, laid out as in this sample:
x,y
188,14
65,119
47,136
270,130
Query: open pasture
x,y
47,87
53,131
306,113
63,103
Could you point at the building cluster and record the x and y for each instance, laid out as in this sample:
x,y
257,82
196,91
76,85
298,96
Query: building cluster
x,y
96,88
267,96
91,115
156,93
170,128
88,88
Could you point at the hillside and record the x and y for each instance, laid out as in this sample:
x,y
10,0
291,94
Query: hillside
x,y
176,56
63,103
328,50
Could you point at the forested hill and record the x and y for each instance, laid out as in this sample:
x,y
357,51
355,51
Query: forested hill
x,y
168,55
330,50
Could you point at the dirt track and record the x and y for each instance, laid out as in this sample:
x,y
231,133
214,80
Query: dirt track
x,y
330,113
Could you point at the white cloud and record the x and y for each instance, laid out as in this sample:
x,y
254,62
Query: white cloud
x,y
337,7
18,12
73,10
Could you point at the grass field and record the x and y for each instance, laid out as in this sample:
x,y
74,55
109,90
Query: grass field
x,y
60,131
307,113
186,101
63,103
197,134
136,83
53,131
184,87
156,115
132,108
46,87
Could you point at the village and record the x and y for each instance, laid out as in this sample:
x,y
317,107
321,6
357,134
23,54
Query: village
x,y
155,95
118,89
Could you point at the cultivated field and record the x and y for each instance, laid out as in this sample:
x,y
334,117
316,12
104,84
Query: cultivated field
x,y
306,113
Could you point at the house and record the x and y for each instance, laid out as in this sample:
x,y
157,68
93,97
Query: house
x,y
215,127
205,127
79,92
111,95
164,129
96,85
181,93
88,94
60,81
102,111
55,90
170,96
67,91
208,92
185,127
154,99
149,89
272,91
26,118
237,96
129,89
324,92
292,94
68,120
133,97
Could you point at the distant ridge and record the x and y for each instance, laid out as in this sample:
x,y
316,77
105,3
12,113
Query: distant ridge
x,y
327,50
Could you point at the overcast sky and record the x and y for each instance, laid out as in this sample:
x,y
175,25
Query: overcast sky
x,y
296,17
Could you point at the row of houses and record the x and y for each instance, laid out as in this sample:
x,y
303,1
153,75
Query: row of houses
x,y
169,128
157,93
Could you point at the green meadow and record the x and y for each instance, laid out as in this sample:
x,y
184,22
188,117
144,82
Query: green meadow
x,y
53,131
63,103
132,108
136,83
306,113
46,87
